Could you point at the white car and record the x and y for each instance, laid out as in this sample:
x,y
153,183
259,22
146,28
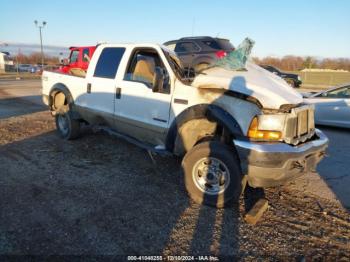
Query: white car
x,y
332,107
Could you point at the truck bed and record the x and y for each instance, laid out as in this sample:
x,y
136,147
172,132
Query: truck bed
x,y
77,85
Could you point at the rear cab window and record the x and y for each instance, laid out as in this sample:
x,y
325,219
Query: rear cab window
x,y
108,62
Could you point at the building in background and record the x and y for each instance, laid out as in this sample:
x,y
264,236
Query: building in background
x,y
6,63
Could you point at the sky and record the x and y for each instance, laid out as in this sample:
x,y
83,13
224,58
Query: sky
x,y
318,28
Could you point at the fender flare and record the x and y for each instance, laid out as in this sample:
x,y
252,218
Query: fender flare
x,y
209,111
59,87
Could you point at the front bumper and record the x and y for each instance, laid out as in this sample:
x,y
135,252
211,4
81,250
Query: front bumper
x,y
273,164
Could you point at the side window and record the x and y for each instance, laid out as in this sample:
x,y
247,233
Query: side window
x,y
74,56
338,93
108,62
212,44
186,47
142,68
86,57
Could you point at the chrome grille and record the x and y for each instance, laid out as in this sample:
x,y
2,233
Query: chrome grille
x,y
300,125
303,125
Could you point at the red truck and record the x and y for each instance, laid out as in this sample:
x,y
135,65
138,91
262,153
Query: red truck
x,y
79,59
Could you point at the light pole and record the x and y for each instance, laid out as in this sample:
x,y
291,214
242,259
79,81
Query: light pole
x,y
41,40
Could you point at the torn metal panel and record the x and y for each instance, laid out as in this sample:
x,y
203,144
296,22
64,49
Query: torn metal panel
x,y
270,90
236,73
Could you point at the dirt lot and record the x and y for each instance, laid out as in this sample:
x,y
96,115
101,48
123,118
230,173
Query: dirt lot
x,y
100,196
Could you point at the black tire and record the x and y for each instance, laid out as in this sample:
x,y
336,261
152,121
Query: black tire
x,y
67,127
230,187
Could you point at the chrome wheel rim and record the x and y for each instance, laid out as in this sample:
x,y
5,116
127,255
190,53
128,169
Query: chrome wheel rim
x,y
211,175
63,124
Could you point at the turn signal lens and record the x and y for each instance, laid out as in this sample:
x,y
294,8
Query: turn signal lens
x,y
255,133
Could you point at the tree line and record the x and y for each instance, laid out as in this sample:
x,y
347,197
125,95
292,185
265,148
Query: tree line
x,y
296,63
35,59
287,63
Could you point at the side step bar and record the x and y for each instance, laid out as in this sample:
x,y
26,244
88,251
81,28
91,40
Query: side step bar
x,y
157,149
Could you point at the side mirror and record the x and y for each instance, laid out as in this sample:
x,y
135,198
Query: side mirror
x,y
65,62
158,79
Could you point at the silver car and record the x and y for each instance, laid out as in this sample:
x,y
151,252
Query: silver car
x,y
332,106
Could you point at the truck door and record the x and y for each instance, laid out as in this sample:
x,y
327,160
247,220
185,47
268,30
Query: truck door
x,y
100,90
140,112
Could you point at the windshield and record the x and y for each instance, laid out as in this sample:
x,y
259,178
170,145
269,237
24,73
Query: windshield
x,y
236,59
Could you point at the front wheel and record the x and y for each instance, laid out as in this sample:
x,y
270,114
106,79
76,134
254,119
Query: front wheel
x,y
67,127
212,174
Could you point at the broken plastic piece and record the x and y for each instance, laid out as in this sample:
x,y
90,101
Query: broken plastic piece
x,y
237,59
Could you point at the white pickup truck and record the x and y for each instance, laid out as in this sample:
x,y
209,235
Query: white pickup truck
x,y
226,123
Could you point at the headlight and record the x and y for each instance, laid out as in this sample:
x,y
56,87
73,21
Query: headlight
x,y
255,133
299,78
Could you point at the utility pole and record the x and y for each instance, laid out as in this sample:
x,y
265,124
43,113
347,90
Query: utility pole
x,y
41,40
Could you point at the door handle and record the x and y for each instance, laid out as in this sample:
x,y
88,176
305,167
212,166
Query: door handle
x,y
118,93
88,88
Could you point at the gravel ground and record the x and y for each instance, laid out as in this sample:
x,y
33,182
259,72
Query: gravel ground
x,y
99,195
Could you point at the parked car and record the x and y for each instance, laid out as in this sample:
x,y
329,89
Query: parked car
x,y
201,51
220,122
293,80
78,61
332,106
25,68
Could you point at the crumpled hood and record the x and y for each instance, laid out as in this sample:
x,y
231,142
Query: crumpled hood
x,y
269,89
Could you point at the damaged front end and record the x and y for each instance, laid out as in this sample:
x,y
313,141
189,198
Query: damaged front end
x,y
293,127
281,140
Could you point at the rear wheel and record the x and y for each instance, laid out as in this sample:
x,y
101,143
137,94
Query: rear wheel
x,y
67,127
212,174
